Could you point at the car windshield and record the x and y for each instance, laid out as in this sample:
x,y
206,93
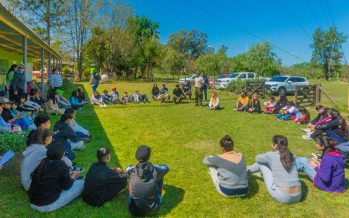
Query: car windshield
x,y
234,75
278,79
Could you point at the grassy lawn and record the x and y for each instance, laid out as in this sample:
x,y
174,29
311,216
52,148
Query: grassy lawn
x,y
181,136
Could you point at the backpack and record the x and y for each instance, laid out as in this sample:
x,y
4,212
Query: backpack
x,y
97,76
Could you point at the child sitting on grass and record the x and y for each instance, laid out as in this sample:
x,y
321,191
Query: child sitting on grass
x,y
302,116
255,105
114,94
145,184
102,184
25,116
97,99
242,102
270,106
214,103
80,131
125,98
74,101
287,112
106,97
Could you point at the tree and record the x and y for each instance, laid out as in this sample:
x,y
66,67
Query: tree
x,y
223,61
96,48
173,61
327,49
152,53
141,29
208,63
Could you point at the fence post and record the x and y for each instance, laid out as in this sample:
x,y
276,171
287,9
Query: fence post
x,y
296,95
318,94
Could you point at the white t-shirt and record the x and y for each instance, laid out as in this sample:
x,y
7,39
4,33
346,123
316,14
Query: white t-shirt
x,y
199,82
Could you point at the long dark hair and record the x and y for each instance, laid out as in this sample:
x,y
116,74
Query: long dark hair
x,y
12,68
342,123
286,155
328,143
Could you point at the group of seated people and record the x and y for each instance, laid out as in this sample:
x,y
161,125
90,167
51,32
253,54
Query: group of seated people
x,y
284,109
52,179
278,168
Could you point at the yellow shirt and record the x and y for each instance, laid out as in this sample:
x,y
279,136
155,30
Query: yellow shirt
x,y
244,101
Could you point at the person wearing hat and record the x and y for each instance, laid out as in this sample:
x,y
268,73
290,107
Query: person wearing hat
x,y
145,184
60,100
4,126
8,117
94,79
102,184
114,94
55,80
18,82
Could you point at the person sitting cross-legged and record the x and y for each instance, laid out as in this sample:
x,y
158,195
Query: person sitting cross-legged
x,y
243,102
53,186
145,184
81,132
187,89
255,105
103,183
140,98
214,103
279,172
60,100
228,170
178,95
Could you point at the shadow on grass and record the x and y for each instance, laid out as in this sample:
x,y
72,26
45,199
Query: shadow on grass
x,y
173,196
253,188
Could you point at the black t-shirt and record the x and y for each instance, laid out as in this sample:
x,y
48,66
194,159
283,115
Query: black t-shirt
x,y
47,187
6,115
177,92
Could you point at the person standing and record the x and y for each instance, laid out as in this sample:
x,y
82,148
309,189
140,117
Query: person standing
x,y
55,80
9,76
94,79
206,85
18,83
199,84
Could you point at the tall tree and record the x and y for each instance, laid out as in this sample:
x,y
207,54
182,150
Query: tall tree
x,y
208,63
152,51
173,61
327,49
96,48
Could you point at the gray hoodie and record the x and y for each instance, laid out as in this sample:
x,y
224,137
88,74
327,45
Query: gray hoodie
x,y
32,157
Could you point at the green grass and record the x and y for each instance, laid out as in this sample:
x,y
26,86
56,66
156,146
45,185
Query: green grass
x,y
181,136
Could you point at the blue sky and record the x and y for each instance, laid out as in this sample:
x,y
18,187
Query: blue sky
x,y
285,23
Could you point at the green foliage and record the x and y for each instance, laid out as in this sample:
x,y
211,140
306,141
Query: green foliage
x,y
173,61
14,142
237,86
327,50
208,63
96,48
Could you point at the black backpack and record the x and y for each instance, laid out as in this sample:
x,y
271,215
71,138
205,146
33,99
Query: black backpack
x,y
97,76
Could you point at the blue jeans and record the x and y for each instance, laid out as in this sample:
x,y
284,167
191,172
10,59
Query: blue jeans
x,y
303,164
68,151
65,197
335,137
344,149
283,117
275,192
94,86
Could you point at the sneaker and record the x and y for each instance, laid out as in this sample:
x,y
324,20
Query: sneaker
x,y
307,130
316,157
307,137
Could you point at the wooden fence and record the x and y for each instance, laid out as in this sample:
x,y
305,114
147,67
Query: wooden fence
x,y
306,96
257,87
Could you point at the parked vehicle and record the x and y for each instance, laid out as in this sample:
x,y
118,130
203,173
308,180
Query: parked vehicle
x,y
212,81
190,77
283,85
224,82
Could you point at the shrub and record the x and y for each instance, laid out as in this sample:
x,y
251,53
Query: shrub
x,y
14,142
237,86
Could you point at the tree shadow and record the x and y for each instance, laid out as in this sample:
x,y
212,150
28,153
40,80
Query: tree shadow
x,y
173,196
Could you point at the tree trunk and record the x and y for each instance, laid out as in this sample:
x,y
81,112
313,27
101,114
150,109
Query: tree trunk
x,y
135,73
326,71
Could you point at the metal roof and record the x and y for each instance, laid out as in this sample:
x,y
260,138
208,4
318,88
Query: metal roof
x,y
11,36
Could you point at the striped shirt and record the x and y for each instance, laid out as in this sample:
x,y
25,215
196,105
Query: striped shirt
x,y
55,80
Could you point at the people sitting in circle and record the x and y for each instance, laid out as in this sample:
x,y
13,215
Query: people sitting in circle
x,y
302,116
254,105
187,89
106,97
163,94
279,172
53,186
140,98
228,170
287,112
96,99
81,132
34,154
281,103
6,127
60,100
125,98
321,118
270,106
52,106
74,101
102,184
65,135
26,117
335,128
178,95
242,102
215,103
24,105
155,91
327,174
145,184
81,95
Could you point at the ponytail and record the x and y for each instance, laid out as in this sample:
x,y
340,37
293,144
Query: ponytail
x,y
286,156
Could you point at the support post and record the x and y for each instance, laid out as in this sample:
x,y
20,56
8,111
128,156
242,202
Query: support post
x,y
49,63
42,72
25,59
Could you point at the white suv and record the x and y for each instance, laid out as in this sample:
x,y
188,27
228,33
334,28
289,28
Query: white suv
x,y
283,85
224,82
